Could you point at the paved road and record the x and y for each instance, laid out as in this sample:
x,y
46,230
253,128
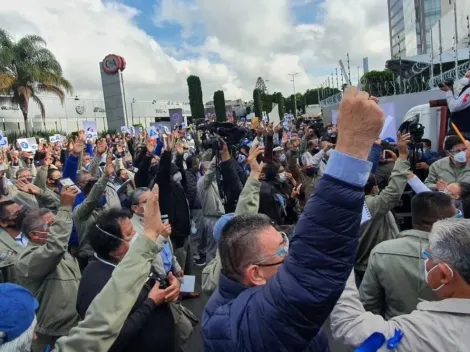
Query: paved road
x,y
196,305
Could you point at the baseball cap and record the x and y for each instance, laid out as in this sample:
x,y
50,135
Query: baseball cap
x,y
17,310
220,224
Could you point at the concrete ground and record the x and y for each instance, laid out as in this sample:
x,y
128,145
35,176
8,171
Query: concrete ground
x,y
197,306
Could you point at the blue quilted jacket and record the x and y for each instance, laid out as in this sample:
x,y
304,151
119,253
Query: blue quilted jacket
x,y
287,313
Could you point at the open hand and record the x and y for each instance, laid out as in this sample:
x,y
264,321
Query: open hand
x,y
27,187
255,166
441,185
403,141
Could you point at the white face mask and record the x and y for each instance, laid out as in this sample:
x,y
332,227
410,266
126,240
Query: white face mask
x,y
426,274
241,158
177,177
282,176
460,157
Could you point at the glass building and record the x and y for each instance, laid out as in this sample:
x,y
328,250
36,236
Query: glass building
x,y
410,22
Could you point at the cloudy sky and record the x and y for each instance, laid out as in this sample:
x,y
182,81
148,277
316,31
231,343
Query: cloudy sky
x,y
227,43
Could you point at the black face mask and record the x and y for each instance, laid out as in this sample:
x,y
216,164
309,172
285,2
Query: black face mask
x,y
311,171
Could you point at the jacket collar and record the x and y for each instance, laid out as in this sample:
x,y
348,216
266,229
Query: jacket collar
x,y
10,242
415,233
449,305
228,288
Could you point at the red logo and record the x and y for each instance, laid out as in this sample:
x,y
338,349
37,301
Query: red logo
x,y
113,63
466,97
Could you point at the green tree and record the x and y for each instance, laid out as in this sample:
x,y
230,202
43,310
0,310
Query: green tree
x,y
195,97
267,102
28,68
311,96
279,100
379,83
219,104
257,103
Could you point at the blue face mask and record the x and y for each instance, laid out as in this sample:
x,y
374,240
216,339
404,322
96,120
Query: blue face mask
x,y
282,158
102,201
241,158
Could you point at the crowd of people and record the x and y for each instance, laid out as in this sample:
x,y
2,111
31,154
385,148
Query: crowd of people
x,y
97,236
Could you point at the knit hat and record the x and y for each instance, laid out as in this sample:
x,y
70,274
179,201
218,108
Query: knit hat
x,y
220,224
17,311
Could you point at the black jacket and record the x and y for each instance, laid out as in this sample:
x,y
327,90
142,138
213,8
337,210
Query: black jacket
x,y
234,178
147,328
173,201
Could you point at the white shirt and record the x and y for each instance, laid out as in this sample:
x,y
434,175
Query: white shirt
x,y
460,103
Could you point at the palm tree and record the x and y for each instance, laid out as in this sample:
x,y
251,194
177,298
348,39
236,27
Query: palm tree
x,y
28,68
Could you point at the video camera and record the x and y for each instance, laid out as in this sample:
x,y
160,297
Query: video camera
x,y
231,134
414,128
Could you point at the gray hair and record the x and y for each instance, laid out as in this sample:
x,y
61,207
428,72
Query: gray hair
x,y
33,220
450,243
134,197
238,244
21,171
22,343
81,175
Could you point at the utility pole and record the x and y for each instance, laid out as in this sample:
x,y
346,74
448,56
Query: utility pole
x,y
295,98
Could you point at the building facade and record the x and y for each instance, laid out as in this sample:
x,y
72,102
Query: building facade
x,y
410,22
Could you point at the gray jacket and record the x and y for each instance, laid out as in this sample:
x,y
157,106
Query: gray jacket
x,y
208,193
394,283
382,226
432,327
446,170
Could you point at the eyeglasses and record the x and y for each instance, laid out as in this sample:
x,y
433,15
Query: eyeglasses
x,y
111,235
284,250
426,254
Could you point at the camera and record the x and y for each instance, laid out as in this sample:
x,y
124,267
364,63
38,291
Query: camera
x,y
414,128
448,82
163,280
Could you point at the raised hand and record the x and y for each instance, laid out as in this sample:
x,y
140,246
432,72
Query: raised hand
x,y
152,217
180,148
109,169
165,230
255,166
359,123
403,141
68,195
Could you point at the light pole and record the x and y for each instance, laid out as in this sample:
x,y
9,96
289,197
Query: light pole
x,y
132,110
295,98
77,99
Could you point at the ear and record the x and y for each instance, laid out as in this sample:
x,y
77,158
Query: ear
x,y
446,274
3,225
134,208
253,276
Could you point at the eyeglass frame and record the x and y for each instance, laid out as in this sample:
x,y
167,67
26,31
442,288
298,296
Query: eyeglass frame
x,y
280,252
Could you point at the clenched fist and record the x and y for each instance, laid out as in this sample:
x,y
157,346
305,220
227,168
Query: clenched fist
x,y
360,122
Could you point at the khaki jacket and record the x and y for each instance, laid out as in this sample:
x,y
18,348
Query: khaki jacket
x,y
445,169
9,251
432,327
86,214
248,203
48,198
53,276
382,226
111,307
157,262
394,281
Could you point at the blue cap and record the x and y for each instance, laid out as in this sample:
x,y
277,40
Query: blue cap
x,y
220,224
17,310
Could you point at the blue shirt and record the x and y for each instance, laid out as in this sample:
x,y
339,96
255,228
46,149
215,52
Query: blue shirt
x,y
167,257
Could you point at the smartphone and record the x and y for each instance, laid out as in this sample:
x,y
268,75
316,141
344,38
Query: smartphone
x,y
164,218
384,155
67,182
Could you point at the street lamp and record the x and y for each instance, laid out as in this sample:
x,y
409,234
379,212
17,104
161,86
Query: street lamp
x,y
77,99
295,98
132,110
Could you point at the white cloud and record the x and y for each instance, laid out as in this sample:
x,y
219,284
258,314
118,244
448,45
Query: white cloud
x,y
244,39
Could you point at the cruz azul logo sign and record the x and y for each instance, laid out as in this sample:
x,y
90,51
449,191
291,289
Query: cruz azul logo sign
x,y
113,63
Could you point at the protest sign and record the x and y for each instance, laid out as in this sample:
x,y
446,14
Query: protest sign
x,y
152,132
91,130
389,131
